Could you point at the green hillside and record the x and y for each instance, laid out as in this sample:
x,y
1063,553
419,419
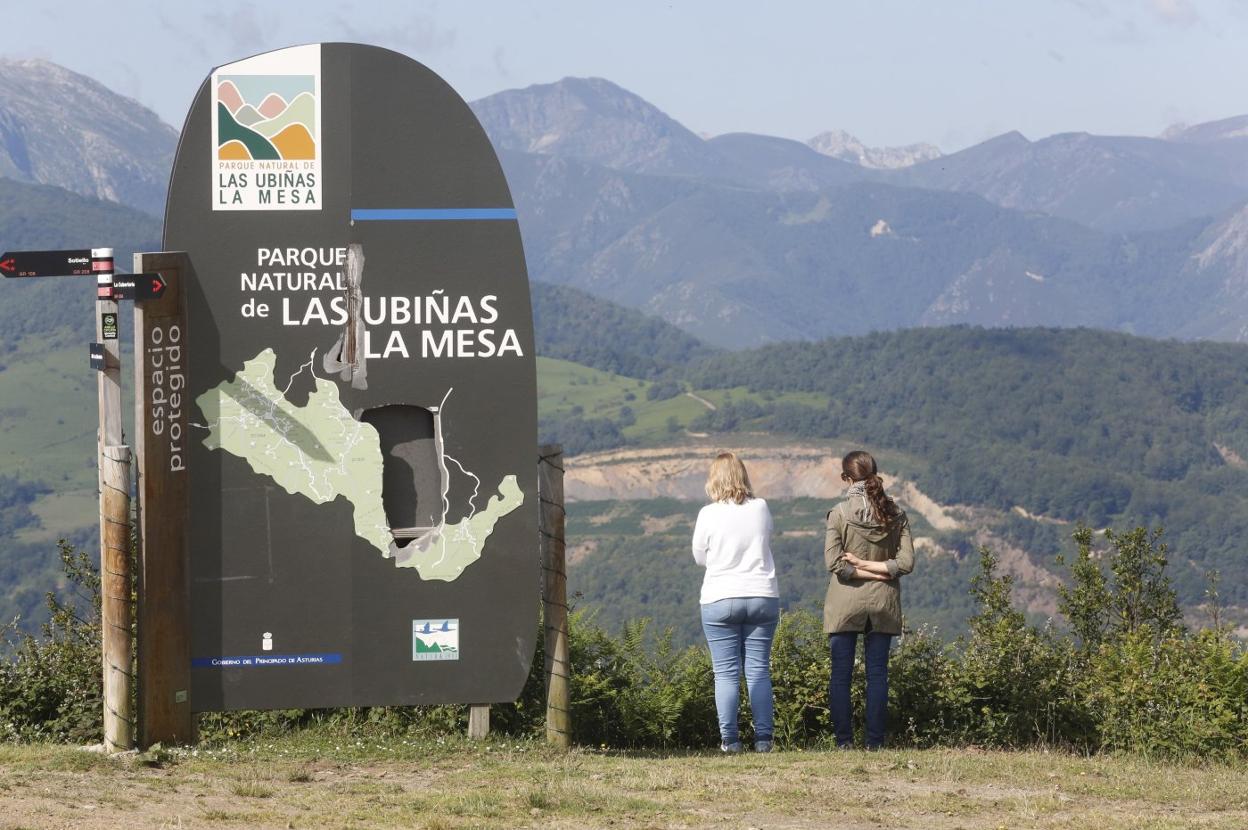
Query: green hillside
x,y
579,327
1068,425
38,217
1071,424
47,390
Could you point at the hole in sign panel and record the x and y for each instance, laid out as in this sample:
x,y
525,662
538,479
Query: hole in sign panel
x,y
412,469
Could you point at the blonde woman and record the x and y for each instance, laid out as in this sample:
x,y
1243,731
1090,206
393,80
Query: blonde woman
x,y
740,598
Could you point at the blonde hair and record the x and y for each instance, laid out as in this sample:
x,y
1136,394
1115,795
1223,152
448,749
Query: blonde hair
x,y
728,480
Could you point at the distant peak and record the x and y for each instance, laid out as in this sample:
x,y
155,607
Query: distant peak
x,y
1235,127
594,120
1011,139
29,62
39,65
842,145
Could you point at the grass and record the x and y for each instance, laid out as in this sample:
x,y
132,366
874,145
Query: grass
x,y
48,422
326,778
48,415
564,386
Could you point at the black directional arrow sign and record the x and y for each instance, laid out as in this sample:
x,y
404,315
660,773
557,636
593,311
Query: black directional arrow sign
x,y
75,263
138,287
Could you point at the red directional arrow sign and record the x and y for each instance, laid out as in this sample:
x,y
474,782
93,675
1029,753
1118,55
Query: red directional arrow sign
x,y
73,263
138,287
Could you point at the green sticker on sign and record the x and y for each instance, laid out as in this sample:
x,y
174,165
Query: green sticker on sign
x,y
108,325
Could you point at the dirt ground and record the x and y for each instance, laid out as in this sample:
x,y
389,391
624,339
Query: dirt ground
x,y
498,785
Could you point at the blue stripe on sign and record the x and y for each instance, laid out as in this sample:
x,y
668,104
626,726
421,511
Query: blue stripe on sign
x,y
429,214
251,661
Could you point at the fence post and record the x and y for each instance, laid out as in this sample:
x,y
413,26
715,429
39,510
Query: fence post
x,y
115,598
554,595
478,722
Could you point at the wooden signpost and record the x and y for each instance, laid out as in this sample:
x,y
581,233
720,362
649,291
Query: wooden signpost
x,y
160,375
114,482
161,438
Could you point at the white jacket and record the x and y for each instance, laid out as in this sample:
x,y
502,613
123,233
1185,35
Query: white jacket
x,y
733,542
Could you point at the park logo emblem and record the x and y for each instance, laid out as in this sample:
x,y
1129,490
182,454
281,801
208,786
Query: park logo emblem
x,y
435,640
267,132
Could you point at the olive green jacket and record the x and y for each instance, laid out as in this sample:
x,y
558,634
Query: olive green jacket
x,y
852,603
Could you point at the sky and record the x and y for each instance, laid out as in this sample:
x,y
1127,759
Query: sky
x,y
891,72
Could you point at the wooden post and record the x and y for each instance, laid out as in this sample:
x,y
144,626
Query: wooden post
x,y
478,722
162,441
114,481
115,599
554,595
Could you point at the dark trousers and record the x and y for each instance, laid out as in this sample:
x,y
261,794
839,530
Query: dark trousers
x,y
842,646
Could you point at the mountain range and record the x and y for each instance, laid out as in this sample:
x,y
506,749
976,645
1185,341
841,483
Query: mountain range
x,y
743,239
64,129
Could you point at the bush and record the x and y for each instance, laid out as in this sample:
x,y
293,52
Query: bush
x,y
800,665
664,390
1128,677
50,689
636,691
1014,682
1173,697
925,706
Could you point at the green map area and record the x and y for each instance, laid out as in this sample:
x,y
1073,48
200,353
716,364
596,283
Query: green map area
x,y
318,451
447,550
321,452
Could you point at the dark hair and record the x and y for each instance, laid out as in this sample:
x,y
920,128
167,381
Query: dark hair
x,y
860,466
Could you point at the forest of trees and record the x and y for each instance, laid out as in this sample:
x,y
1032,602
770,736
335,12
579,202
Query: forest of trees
x,y
1072,424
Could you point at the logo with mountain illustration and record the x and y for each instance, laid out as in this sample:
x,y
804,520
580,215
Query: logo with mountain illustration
x,y
266,117
435,639
266,132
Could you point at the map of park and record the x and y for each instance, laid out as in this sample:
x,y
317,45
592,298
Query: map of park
x,y
321,452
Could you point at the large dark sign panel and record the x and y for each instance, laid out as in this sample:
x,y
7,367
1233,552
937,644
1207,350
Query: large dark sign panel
x,y
362,389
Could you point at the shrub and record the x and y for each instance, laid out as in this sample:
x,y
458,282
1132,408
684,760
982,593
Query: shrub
x,y
800,665
50,689
664,390
1172,697
1128,677
925,705
636,690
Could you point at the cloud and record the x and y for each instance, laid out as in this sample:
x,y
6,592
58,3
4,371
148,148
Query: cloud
x,y
418,34
500,63
244,31
1094,8
1125,16
1179,13
180,34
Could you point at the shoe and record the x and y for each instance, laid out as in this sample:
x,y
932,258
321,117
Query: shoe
x,y
732,748
764,746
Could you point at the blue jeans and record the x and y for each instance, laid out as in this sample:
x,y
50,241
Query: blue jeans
x,y
739,631
842,646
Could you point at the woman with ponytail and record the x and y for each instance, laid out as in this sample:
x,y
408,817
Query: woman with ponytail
x,y
867,550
